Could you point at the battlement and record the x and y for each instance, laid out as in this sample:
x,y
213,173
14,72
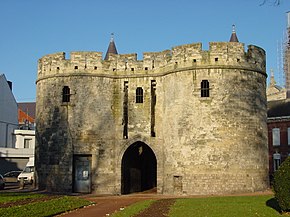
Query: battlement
x,y
220,54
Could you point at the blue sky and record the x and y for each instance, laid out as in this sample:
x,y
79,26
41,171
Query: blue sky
x,y
30,29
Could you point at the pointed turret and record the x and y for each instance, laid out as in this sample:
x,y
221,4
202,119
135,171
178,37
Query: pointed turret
x,y
272,79
112,47
234,37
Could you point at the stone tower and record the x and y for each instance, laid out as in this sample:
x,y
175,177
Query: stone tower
x,y
181,121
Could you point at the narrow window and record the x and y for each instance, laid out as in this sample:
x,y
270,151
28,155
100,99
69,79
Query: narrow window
x,y
132,69
125,111
288,133
194,60
65,94
27,143
139,95
276,136
153,104
204,87
276,161
57,68
216,59
96,68
146,68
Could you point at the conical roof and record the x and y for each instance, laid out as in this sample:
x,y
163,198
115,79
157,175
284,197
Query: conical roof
x,y
112,48
234,37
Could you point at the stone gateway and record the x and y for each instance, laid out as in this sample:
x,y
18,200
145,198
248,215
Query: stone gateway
x,y
184,121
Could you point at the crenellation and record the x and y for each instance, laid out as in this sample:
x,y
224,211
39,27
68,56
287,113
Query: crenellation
x,y
190,55
256,57
152,60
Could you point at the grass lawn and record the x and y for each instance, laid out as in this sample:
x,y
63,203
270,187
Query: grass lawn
x,y
243,206
133,209
11,197
49,207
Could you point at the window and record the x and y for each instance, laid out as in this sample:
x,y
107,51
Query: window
x,y
204,88
27,143
276,161
153,104
65,94
139,95
76,67
288,133
276,136
125,111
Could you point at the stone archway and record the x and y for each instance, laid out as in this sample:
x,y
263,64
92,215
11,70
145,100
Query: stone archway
x,y
139,169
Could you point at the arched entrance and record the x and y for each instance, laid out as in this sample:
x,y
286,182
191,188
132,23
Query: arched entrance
x,y
139,169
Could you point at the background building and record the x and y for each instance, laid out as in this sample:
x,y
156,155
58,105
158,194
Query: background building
x,y
287,56
26,115
278,132
279,112
16,146
8,113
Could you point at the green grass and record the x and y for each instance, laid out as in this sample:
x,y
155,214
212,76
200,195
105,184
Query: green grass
x,y
44,208
11,197
245,206
133,209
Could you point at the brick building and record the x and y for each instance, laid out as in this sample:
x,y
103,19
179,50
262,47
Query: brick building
x,y
278,132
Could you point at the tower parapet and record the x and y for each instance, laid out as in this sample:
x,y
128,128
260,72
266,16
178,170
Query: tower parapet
x,y
220,54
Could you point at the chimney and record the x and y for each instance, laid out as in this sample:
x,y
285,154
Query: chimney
x,y
10,84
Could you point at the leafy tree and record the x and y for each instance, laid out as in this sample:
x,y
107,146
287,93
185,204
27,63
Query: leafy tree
x,y
282,185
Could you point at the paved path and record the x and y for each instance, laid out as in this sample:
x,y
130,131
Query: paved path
x,y
106,205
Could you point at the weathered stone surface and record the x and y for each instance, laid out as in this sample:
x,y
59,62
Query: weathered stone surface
x,y
203,145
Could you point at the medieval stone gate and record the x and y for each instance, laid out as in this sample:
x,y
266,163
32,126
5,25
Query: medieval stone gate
x,y
203,112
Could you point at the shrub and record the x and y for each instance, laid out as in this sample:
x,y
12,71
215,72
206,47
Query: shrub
x,y
282,185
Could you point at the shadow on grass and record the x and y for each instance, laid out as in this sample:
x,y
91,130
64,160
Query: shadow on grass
x,y
273,203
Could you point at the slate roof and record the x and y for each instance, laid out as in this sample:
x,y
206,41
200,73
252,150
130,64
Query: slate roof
x,y
111,49
278,108
28,108
234,37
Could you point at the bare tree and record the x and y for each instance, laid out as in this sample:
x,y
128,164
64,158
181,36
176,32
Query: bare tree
x,y
272,2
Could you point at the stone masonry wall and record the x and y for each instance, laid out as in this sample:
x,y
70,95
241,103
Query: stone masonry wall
x,y
203,145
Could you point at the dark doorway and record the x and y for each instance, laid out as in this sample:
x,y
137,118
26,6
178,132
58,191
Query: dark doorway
x,y
82,174
139,169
